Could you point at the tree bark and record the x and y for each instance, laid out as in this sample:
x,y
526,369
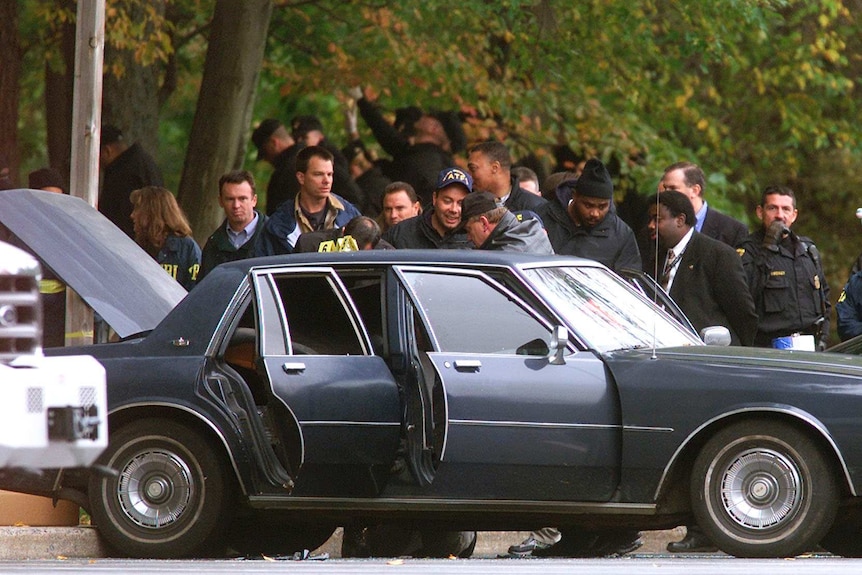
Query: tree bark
x,y
131,101
10,87
219,132
59,86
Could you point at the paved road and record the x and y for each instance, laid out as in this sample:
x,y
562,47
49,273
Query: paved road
x,y
637,565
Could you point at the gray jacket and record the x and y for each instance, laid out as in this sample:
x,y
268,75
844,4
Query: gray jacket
x,y
512,235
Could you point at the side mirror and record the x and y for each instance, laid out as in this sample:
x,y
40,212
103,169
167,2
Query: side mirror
x,y
558,345
715,335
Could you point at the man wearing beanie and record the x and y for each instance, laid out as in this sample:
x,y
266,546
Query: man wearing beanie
x,y
585,226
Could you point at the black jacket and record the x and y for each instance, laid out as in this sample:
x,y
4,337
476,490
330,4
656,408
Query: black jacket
x,y
710,288
416,164
131,170
418,233
219,249
521,200
790,291
611,242
723,228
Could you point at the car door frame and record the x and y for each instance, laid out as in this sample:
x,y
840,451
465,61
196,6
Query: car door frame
x,y
346,408
464,462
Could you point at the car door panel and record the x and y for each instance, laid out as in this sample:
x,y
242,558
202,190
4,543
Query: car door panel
x,y
513,419
316,355
343,404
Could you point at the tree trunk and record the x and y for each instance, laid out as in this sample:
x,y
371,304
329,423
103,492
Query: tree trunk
x,y
10,87
219,133
59,84
131,101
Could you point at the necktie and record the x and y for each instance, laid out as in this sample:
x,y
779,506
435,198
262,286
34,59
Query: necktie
x,y
668,265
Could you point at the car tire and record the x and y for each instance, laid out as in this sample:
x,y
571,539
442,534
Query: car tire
x,y
763,489
171,496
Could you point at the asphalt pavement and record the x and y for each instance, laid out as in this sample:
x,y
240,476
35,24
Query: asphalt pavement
x,y
20,543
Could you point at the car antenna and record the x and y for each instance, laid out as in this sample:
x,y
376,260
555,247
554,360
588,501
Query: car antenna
x,y
656,276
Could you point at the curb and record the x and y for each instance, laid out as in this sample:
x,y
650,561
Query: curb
x,y
24,543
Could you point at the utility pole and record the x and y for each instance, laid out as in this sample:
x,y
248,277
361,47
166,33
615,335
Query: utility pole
x,y
86,131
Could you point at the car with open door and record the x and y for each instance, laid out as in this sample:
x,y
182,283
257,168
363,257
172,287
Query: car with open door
x,y
457,389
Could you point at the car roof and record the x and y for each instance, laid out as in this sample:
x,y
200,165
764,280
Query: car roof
x,y
118,279
458,258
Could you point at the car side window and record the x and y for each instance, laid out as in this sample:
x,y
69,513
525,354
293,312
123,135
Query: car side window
x,y
469,314
318,322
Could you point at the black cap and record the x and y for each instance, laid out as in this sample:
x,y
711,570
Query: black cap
x,y
476,204
45,178
262,133
301,125
595,181
110,135
451,176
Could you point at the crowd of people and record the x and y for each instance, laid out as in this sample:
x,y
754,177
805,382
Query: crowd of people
x,y
767,287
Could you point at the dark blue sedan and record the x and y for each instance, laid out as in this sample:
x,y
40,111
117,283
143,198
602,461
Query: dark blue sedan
x,y
461,389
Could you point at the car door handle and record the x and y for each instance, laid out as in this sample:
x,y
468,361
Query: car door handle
x,y
468,364
293,367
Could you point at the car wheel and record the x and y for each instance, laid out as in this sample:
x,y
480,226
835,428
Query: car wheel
x,y
171,496
763,489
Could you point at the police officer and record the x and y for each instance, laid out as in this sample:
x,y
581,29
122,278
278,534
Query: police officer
x,y
785,274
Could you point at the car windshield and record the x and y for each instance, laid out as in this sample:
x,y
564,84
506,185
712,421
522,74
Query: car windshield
x,y
605,312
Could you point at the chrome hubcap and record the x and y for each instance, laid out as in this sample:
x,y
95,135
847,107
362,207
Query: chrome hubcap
x,y
155,488
760,489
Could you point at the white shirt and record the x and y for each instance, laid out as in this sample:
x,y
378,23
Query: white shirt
x,y
678,250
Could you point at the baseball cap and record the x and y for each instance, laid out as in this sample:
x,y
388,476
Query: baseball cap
x,y
476,204
451,176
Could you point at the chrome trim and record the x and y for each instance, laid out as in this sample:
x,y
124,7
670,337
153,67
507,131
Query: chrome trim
x,y
198,415
227,317
798,414
493,283
648,429
327,423
330,274
547,425
495,423
462,505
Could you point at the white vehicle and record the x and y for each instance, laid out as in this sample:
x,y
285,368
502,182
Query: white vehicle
x,y
53,410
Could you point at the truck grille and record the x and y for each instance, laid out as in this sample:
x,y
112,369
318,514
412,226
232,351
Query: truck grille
x,y
20,316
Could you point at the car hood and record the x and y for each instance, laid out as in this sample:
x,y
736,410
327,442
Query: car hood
x,y
92,256
753,358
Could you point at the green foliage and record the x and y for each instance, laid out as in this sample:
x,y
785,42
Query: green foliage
x,y
756,91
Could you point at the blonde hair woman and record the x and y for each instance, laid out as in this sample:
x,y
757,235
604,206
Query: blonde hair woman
x,y
161,228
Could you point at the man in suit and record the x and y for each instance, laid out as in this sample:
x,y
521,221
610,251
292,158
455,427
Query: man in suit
x,y
706,279
703,276
689,179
